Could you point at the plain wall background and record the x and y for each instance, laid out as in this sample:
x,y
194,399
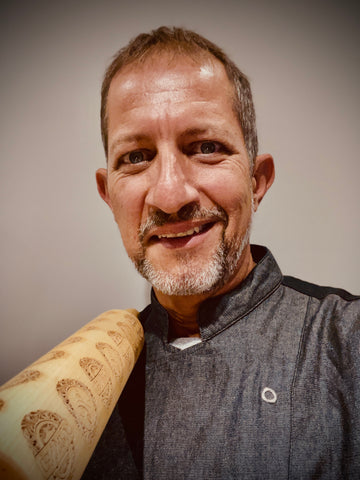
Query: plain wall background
x,y
62,262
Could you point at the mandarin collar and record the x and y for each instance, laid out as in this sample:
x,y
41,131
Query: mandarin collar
x,y
217,313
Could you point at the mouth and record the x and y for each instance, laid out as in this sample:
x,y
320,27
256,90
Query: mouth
x,y
192,231
181,238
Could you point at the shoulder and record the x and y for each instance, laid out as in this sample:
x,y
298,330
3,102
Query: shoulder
x,y
334,306
317,291
331,327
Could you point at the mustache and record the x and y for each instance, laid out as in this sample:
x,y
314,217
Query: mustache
x,y
187,212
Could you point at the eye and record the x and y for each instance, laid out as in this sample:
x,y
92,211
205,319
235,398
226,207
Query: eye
x,y
208,151
208,147
136,157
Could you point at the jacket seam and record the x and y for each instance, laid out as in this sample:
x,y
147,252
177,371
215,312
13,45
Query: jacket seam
x,y
338,292
292,388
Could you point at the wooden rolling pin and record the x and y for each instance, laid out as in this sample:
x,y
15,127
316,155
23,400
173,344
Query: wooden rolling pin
x,y
53,413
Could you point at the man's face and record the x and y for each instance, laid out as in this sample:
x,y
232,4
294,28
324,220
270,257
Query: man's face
x,y
178,178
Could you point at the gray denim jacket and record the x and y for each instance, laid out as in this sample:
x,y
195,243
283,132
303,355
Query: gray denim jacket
x,y
271,392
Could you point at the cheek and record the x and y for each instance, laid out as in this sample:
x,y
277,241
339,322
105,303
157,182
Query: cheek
x,y
231,192
127,209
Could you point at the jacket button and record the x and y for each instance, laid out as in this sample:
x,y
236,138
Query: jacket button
x,y
269,395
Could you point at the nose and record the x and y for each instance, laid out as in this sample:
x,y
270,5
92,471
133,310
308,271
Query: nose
x,y
171,184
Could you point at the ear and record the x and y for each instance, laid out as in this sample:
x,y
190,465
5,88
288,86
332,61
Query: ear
x,y
263,177
101,181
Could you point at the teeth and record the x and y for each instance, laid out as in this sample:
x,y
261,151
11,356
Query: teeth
x,y
181,234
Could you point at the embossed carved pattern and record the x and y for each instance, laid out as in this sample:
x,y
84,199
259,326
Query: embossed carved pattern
x,y
112,357
99,377
128,332
116,337
49,435
80,403
71,340
53,355
23,377
50,438
127,352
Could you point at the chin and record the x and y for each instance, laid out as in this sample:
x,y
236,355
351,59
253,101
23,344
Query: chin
x,y
192,278
187,281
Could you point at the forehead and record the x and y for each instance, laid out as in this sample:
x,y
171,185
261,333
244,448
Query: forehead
x,y
164,78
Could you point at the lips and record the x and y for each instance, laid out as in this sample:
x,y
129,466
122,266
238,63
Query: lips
x,y
179,235
192,231
190,222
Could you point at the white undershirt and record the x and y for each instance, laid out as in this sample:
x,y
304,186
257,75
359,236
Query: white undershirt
x,y
185,342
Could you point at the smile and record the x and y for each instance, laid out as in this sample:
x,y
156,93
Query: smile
x,y
182,234
184,237
187,232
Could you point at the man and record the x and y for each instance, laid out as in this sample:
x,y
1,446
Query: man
x,y
245,373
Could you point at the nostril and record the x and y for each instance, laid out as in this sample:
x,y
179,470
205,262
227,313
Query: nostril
x,y
188,211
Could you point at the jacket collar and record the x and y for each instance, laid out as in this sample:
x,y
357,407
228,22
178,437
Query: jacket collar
x,y
218,313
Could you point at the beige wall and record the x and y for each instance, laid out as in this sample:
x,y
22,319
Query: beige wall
x,y
61,259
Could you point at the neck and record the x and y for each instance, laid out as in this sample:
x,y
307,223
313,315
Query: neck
x,y
183,310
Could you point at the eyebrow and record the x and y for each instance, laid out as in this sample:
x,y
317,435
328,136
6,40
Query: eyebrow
x,y
126,139
209,131
193,132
